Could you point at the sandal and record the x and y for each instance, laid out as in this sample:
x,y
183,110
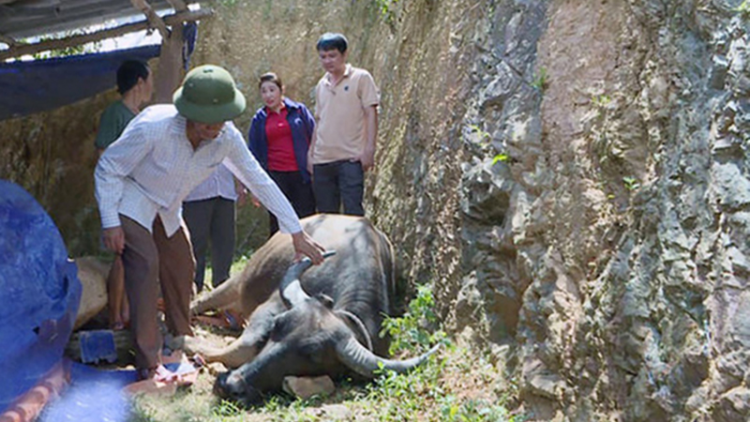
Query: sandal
x,y
159,374
198,361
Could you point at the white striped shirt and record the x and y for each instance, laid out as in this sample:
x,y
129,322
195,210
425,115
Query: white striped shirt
x,y
219,184
152,167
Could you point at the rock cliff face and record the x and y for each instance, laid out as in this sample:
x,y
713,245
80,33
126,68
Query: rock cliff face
x,y
572,176
618,265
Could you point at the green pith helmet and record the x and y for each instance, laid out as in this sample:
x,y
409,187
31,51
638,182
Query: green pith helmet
x,y
208,95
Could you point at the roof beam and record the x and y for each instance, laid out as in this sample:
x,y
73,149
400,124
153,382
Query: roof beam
x,y
22,49
178,5
8,40
152,17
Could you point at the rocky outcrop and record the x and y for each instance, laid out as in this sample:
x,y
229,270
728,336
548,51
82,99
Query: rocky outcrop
x,y
619,259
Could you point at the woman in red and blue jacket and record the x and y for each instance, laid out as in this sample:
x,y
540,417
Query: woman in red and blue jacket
x,y
279,138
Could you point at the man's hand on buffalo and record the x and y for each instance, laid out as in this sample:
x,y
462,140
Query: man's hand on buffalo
x,y
305,245
114,239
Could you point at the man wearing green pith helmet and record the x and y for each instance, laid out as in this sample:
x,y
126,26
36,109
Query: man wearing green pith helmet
x,y
141,180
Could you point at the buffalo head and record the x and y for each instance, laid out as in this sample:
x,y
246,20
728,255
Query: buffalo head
x,y
309,338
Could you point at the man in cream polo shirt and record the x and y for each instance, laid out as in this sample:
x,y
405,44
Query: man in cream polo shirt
x,y
343,143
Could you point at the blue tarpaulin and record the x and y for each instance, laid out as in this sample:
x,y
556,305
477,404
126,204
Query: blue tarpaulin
x,y
39,292
33,86
93,396
29,87
39,297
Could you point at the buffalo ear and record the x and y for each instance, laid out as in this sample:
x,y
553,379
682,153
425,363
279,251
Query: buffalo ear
x,y
326,300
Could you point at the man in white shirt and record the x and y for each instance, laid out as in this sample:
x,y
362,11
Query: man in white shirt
x,y
141,181
209,214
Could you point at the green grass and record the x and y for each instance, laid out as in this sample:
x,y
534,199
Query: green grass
x,y
631,183
540,80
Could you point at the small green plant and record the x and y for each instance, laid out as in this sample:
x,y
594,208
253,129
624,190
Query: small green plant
x,y
142,414
500,157
473,410
387,10
744,9
540,80
631,183
226,408
601,100
405,395
410,331
290,409
484,136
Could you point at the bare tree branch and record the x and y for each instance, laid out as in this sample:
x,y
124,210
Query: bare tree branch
x,y
152,17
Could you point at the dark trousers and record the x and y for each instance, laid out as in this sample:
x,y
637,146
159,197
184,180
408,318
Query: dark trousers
x,y
339,183
299,194
148,259
211,220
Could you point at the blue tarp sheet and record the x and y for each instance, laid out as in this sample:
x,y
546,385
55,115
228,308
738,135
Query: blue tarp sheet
x,y
39,292
33,86
29,87
93,396
96,395
39,297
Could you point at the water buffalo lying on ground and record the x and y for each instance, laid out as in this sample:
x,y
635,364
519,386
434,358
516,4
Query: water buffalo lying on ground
x,y
306,320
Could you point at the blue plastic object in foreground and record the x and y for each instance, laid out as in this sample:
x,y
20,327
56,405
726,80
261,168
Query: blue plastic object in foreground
x,y
39,292
97,395
92,396
97,345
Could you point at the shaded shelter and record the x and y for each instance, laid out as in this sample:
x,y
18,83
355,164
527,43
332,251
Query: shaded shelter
x,y
31,19
41,85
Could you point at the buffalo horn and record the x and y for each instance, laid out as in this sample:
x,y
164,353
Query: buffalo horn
x,y
357,323
290,288
364,362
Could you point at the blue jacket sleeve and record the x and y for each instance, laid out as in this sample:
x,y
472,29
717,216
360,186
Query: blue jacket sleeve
x,y
309,120
256,141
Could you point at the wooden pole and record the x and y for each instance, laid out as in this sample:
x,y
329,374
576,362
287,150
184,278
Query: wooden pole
x,y
169,75
23,49
178,5
153,19
170,57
